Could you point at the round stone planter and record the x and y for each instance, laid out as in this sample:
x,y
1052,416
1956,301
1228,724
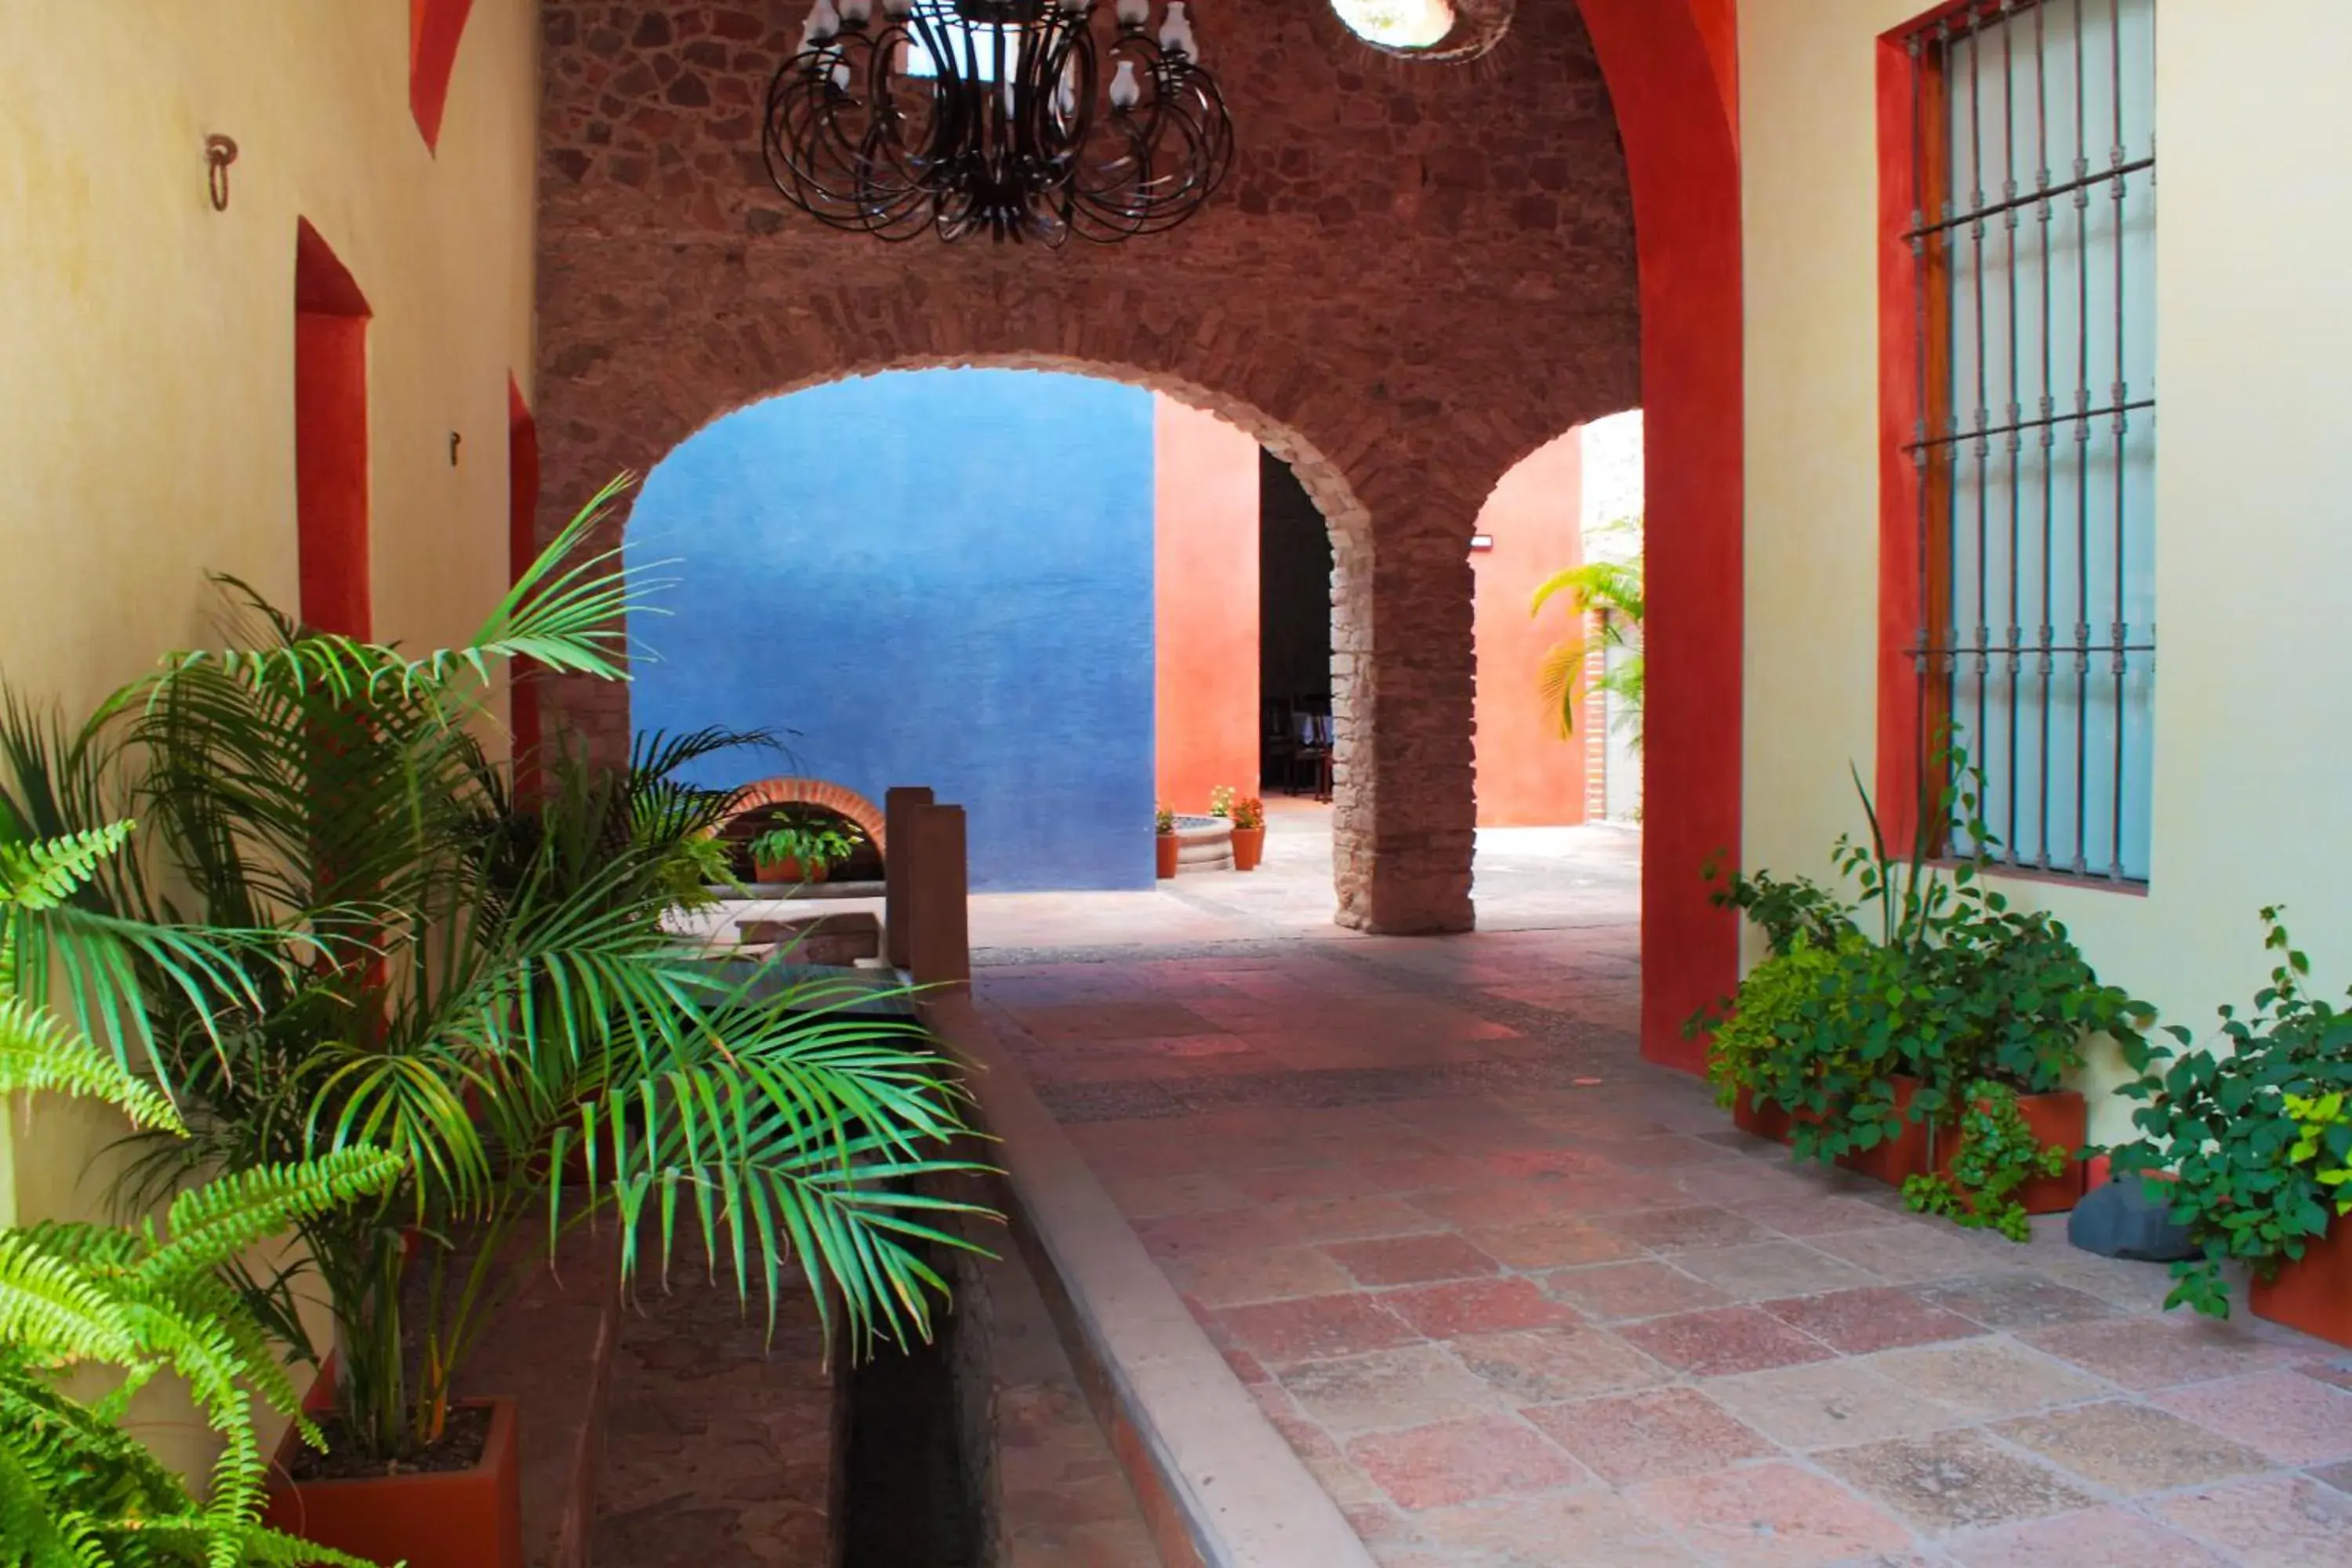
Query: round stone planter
x,y
1203,844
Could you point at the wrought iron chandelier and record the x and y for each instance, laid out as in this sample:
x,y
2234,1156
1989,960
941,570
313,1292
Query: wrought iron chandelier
x,y
1016,119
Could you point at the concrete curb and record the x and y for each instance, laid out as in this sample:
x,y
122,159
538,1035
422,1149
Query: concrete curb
x,y
1219,1485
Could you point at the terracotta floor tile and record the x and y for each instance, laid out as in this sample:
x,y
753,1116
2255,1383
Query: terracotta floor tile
x,y
2079,1539
1555,1244
1548,1366
2280,1521
1771,1270
1613,1292
1408,1386
1987,1377
1588,1527
1283,1184
2015,1300
1219,1231
1913,1251
1426,1173
1313,1328
1346,1218
2293,1419
1829,1405
1459,1461
1872,1318
2132,1448
1647,1436
1684,1229
1478,1307
1158,1198
2149,1354
2336,1476
1411,1259
1813,1215
1772,1515
1499,1207
1724,1340
2334,1371
1954,1480
1237,1278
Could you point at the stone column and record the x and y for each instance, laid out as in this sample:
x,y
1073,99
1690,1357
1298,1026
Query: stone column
x,y
938,944
899,808
1402,669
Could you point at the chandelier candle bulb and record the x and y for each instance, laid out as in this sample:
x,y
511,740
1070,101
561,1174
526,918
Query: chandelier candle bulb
x,y
854,13
1176,33
1134,12
823,22
1126,92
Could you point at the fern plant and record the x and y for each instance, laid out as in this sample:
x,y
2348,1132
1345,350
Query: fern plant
x,y
150,1301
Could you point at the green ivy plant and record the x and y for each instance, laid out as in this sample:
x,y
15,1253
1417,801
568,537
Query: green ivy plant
x,y
152,1300
1926,972
1996,1154
2254,1134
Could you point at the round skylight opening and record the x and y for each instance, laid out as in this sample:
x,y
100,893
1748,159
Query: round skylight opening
x,y
1397,23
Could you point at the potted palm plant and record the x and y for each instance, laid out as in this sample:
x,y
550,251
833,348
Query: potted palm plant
x,y
142,1303
803,847
482,988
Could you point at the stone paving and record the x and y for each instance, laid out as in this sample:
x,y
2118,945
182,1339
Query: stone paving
x,y
1517,1299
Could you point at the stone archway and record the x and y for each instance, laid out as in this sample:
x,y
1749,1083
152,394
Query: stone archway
x,y
1420,272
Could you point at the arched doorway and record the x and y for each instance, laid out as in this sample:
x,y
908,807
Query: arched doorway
x,y
1424,272
1027,588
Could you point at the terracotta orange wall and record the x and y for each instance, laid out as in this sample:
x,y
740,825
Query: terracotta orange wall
x,y
1527,776
1205,542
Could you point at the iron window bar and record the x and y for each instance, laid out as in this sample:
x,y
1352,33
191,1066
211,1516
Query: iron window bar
x,y
1964,49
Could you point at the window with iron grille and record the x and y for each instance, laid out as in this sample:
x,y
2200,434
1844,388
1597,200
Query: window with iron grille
x,y
2033,243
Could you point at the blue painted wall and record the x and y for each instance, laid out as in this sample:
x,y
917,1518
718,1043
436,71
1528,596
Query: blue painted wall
x,y
936,577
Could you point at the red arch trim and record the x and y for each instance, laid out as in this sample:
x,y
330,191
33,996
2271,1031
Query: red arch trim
x,y
816,791
1671,65
433,28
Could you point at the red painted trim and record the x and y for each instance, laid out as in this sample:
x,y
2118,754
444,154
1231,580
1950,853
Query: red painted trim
x,y
433,28
331,439
1675,117
522,548
1901,408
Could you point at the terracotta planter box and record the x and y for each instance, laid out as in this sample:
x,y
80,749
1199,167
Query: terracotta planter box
x,y
789,870
1764,1120
2314,1292
446,1519
1168,849
2059,1118
1249,848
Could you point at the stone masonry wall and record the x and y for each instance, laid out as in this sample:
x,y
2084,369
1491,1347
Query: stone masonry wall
x,y
1419,271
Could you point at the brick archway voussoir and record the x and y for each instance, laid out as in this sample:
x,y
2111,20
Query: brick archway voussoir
x,y
815,791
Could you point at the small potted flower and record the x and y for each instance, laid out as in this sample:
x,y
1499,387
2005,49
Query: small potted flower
x,y
1164,839
1248,815
800,847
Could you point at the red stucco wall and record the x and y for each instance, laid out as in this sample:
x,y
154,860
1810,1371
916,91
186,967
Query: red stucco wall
x,y
1527,776
1204,604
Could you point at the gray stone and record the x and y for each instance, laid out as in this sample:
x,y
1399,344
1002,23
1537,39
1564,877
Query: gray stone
x,y
2120,1220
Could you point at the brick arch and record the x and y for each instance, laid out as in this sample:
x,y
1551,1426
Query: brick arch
x,y
815,791
1415,274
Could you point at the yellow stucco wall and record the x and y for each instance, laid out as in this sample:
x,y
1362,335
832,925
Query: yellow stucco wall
x,y
2253,708
147,348
146,340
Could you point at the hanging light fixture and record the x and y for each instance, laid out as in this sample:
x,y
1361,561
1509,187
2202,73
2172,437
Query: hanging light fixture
x,y
1016,119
